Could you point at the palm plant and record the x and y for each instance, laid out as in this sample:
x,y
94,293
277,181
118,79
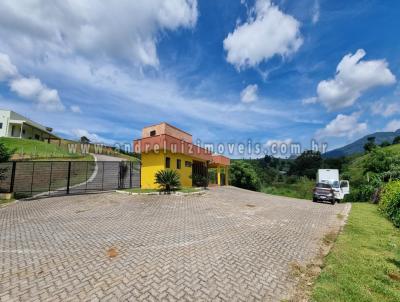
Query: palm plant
x,y
167,180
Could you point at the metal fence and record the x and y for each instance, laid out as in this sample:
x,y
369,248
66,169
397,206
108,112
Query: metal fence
x,y
48,178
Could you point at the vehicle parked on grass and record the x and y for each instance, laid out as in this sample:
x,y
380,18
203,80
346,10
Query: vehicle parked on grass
x,y
331,177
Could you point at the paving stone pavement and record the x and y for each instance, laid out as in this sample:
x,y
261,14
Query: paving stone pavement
x,y
227,245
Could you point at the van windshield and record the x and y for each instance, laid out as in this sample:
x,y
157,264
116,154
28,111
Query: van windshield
x,y
336,184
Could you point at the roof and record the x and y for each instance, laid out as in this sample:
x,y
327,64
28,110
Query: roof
x,y
169,126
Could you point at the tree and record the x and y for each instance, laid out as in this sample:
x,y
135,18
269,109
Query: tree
x,y
167,180
385,144
396,140
370,145
85,140
244,176
307,164
5,154
380,161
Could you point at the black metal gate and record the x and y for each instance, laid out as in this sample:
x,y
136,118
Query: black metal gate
x,y
48,178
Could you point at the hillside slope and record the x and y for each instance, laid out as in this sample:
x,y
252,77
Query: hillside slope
x,y
355,167
33,149
358,145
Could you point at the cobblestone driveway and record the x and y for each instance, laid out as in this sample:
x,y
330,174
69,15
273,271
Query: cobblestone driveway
x,y
227,245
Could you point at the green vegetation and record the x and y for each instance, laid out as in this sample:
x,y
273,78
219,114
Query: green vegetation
x,y
389,203
26,149
5,155
287,177
5,152
368,173
364,264
168,180
33,149
299,189
243,175
5,201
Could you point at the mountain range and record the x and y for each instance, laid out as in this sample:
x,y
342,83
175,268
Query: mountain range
x,y
358,145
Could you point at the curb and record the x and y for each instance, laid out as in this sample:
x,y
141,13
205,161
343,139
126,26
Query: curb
x,y
202,192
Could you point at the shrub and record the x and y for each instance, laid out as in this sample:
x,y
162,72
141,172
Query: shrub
x,y
389,203
362,193
244,176
200,180
5,154
167,180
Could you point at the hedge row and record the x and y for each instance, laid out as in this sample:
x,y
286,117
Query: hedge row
x,y
389,203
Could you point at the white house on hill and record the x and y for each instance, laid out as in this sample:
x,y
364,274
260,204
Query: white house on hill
x,y
15,125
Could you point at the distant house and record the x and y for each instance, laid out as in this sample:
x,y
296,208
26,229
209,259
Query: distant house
x,y
15,125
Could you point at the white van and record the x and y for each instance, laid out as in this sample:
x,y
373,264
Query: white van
x,y
331,176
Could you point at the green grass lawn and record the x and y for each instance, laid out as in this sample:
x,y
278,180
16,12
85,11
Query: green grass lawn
x,y
5,201
33,149
364,264
301,189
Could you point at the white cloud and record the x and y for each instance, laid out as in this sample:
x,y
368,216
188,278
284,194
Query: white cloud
x,y
7,69
93,137
75,109
278,142
311,100
352,78
249,94
120,29
343,126
392,126
380,108
315,12
267,32
33,89
26,87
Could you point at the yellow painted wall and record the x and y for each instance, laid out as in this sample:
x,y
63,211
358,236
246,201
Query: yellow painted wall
x,y
153,162
184,172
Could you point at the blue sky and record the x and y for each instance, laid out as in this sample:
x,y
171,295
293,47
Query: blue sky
x,y
225,71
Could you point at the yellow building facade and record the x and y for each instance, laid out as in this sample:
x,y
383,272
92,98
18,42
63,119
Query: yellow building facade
x,y
164,146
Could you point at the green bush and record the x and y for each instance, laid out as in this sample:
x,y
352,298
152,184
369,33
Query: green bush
x,y
389,203
243,175
167,180
5,153
362,193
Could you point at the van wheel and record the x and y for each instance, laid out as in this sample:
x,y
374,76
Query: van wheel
x,y
314,199
333,201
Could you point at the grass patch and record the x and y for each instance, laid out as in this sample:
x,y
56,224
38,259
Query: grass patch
x,y
33,149
301,189
5,201
364,263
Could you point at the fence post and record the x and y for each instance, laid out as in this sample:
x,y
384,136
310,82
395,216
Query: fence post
x,y
130,174
102,178
69,177
119,175
14,164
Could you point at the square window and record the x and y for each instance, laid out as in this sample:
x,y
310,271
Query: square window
x,y
1,125
167,162
178,163
153,133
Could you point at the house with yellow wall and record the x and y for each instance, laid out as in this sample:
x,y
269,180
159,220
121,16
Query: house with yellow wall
x,y
164,146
